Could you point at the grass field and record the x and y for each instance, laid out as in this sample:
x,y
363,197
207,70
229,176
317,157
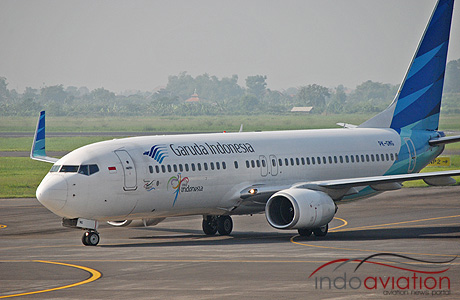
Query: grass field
x,y
195,124
20,176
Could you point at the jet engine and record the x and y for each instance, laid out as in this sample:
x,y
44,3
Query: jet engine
x,y
297,208
136,223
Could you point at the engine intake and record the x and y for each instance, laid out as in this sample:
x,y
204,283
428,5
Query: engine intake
x,y
299,209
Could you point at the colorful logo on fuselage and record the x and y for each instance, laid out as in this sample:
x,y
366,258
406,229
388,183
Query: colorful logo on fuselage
x,y
175,182
157,152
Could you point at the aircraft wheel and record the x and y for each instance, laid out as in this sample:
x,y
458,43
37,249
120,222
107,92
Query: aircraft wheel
x,y
321,231
224,225
90,238
209,225
304,232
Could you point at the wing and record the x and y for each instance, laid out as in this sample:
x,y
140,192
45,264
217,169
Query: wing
x,y
338,188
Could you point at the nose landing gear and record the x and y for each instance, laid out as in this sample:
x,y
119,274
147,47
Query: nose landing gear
x,y
90,238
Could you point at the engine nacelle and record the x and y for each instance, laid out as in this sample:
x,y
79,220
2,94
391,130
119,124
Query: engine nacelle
x,y
136,223
297,208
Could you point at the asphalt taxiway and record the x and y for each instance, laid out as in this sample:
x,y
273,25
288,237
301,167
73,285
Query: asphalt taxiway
x,y
39,259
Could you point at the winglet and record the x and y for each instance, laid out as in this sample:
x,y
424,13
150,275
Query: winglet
x,y
38,151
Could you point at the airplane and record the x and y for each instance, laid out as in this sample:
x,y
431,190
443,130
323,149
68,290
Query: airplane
x,y
295,177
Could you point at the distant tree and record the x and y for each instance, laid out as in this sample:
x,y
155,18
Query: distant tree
x,y
313,95
452,81
249,104
4,93
53,93
338,100
256,85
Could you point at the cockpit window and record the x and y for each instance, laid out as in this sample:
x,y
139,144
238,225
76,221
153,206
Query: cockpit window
x,y
88,169
55,168
69,169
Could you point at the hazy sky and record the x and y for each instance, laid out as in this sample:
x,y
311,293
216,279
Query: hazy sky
x,y
122,45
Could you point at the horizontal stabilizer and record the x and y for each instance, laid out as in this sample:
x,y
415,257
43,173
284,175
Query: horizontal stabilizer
x,y
445,140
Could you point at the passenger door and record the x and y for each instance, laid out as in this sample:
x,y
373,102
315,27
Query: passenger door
x,y
129,170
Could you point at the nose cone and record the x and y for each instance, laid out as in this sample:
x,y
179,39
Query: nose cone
x,y
52,192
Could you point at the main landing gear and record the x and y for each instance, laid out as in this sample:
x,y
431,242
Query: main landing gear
x,y
90,238
319,232
221,224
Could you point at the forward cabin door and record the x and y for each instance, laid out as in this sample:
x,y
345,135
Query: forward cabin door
x,y
129,170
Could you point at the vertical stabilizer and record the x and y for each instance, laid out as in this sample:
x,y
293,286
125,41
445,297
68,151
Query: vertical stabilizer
x,y
418,102
38,151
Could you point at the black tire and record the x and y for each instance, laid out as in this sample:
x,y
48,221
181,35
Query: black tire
x,y
83,239
209,225
224,225
321,231
90,238
304,232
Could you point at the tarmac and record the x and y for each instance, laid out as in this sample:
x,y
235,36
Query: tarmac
x,y
397,245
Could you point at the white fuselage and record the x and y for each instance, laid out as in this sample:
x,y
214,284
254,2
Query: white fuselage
x,y
162,176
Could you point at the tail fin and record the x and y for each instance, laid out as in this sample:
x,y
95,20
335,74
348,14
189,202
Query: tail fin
x,y
38,151
418,102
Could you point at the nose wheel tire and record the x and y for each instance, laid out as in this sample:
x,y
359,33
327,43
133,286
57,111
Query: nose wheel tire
x,y
224,225
90,238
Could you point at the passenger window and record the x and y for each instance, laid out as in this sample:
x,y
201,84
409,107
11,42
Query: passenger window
x,y
224,165
286,162
258,163
193,167
157,169
280,162
273,162
186,168
352,158
346,159
313,160
330,159
247,164
181,168
263,163
324,160
372,157
236,164
357,158
367,157
382,157
362,158
163,169
205,165
387,157
175,168
212,166
391,156
217,166
303,161
335,159
292,161
253,164
318,160
377,157
297,161
169,168
199,166
151,169
341,159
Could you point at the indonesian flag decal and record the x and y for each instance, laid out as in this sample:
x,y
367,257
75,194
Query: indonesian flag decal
x,y
112,169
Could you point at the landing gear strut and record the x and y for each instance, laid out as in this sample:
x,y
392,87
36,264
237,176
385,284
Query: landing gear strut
x,y
221,224
90,238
